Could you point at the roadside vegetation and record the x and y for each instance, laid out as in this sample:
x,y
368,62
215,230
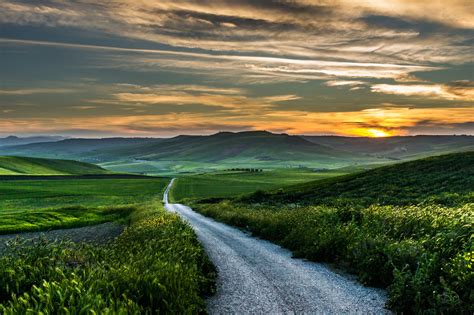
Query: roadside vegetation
x,y
407,227
155,266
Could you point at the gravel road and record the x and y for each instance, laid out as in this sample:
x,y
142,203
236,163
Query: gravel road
x,y
258,277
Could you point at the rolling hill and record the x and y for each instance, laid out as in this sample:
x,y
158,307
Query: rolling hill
x,y
407,227
12,165
397,148
445,179
258,149
13,140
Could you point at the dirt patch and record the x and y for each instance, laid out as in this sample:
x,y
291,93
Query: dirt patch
x,y
97,234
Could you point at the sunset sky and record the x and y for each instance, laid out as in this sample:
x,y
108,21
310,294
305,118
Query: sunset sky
x,y
162,68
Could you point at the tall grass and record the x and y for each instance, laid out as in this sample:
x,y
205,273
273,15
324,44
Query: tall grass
x,y
155,266
424,254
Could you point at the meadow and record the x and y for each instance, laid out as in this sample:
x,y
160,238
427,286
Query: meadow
x,y
407,227
34,205
14,165
230,183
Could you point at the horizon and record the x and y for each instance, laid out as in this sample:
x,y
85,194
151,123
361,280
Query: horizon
x,y
65,137
161,69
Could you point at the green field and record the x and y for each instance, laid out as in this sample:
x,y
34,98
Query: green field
x,y
11,165
407,227
234,183
30,205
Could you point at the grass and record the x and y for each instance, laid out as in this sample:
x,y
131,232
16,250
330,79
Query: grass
x,y
155,266
12,165
408,227
33,205
234,183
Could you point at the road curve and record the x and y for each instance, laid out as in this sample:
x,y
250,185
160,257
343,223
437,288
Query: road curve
x,y
258,277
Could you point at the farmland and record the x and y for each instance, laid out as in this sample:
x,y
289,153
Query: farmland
x,y
12,165
406,227
32,205
156,265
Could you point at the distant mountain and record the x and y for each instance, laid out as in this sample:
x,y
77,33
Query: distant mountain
x,y
241,149
80,149
408,147
228,146
252,148
12,165
14,140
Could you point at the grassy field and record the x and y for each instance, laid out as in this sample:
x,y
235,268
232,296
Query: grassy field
x,y
407,227
11,165
31,205
234,183
156,266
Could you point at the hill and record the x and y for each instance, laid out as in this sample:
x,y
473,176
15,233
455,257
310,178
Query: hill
x,y
407,227
251,149
11,165
78,149
256,148
444,178
13,140
397,148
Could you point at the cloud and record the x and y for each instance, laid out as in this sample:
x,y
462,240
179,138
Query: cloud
x,y
457,90
343,83
31,91
230,99
370,122
298,28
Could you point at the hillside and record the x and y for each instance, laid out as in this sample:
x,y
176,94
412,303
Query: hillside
x,y
403,147
11,165
258,148
227,146
407,227
13,140
445,178
79,149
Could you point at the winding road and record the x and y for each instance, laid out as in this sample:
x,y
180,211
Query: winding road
x,y
258,277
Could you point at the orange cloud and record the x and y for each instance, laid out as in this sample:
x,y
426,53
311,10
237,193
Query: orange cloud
x,y
458,90
371,122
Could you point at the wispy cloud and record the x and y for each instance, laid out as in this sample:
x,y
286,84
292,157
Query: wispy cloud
x,y
30,91
458,90
391,121
224,98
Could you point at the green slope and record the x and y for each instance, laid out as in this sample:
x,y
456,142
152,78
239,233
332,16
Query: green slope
x,y
445,178
256,147
12,165
407,227
407,147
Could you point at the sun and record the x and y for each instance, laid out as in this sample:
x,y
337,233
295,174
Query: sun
x,y
377,133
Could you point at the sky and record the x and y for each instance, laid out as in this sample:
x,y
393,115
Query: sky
x,y
162,68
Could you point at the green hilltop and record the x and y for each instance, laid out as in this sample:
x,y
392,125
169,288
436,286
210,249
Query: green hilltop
x,y
445,178
13,165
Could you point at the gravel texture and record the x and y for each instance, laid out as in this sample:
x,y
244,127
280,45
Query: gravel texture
x,y
258,277
98,234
